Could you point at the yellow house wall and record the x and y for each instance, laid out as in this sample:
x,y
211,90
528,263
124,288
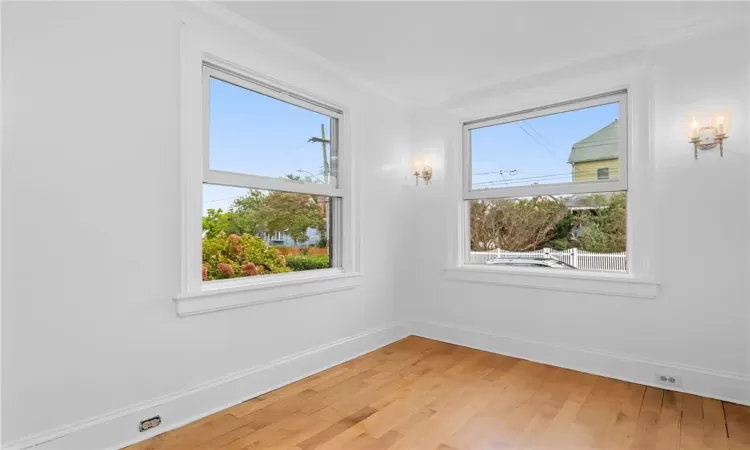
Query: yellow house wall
x,y
586,171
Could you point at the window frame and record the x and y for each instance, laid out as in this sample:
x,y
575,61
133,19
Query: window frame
x,y
619,96
332,191
243,180
579,187
600,171
199,48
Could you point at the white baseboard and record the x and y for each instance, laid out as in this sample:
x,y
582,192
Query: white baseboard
x,y
118,429
729,387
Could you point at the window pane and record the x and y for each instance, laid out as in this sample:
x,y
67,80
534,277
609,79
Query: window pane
x,y
558,148
255,134
573,232
249,232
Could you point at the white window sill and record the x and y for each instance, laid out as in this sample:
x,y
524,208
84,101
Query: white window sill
x,y
240,292
587,282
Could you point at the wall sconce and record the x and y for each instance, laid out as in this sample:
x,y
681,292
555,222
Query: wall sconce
x,y
707,137
423,171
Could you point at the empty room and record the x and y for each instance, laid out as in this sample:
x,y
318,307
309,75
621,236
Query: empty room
x,y
358,225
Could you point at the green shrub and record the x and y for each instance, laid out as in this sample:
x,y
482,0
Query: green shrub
x,y
307,262
236,256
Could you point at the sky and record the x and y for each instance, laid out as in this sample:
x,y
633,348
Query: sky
x,y
255,134
534,150
259,135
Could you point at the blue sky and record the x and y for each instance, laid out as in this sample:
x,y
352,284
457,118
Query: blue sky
x,y
534,150
259,135
254,134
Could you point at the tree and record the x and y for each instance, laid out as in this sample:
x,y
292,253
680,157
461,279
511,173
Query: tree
x,y
259,212
602,227
292,213
214,222
245,216
515,224
597,224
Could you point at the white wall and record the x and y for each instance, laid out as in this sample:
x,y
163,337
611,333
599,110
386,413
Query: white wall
x,y
91,245
91,220
698,325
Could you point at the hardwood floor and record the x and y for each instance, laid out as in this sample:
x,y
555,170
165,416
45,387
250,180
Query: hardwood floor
x,y
423,394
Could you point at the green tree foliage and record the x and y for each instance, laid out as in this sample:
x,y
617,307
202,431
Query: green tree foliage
x,y
214,222
292,213
515,224
602,226
231,243
245,216
229,256
598,225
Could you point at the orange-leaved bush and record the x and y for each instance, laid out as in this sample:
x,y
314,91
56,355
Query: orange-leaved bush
x,y
228,256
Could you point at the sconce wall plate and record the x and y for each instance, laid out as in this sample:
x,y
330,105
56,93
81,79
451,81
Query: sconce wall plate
x,y
425,174
708,137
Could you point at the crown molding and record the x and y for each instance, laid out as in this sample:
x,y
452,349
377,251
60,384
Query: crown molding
x,y
634,56
224,15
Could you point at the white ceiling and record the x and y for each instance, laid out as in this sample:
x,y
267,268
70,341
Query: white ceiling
x,y
425,52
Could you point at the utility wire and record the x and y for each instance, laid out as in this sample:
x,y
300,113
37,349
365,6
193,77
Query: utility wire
x,y
532,179
539,142
538,178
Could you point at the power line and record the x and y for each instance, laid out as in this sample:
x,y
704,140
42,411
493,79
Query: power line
x,y
538,178
539,142
511,172
222,199
531,127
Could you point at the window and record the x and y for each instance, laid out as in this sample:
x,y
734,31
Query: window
x,y
272,203
547,188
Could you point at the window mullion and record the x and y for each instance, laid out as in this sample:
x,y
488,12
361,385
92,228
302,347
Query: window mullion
x,y
549,189
268,183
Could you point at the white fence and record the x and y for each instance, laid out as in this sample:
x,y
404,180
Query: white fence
x,y
576,258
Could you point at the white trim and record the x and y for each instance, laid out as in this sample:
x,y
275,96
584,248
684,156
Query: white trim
x,y
620,96
637,81
573,104
242,180
585,282
226,71
117,429
257,290
201,46
579,187
282,43
726,386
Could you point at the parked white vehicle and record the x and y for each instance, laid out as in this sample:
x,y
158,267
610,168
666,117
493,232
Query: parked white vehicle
x,y
530,262
580,259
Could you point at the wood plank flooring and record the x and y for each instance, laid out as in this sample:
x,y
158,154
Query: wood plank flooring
x,y
423,394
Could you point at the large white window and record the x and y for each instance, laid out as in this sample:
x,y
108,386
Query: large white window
x,y
547,187
268,210
271,197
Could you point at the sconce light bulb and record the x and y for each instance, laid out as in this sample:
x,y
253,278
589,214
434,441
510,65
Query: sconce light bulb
x,y
695,123
720,125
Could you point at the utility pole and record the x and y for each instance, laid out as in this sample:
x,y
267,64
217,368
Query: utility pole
x,y
323,142
326,177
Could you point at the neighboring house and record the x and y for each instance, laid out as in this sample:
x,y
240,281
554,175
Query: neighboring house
x,y
282,239
596,157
